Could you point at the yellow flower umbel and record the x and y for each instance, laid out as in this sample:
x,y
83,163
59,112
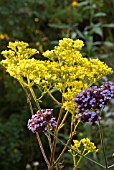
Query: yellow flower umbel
x,y
81,148
73,72
65,69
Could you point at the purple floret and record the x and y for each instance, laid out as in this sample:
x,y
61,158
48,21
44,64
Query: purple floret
x,y
93,99
42,121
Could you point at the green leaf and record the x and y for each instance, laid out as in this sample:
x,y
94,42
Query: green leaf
x,y
108,43
98,31
103,56
80,34
73,35
83,3
53,90
111,25
97,43
60,26
100,14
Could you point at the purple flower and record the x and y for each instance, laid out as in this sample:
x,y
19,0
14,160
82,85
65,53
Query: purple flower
x,y
42,121
89,116
92,99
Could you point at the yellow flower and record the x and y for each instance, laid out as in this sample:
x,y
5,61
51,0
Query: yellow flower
x,y
64,68
36,19
4,36
88,146
74,3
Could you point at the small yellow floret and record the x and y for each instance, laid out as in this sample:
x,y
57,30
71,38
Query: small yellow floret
x,y
74,3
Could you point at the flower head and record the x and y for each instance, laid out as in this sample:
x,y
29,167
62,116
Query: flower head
x,y
88,147
42,121
93,99
74,3
64,68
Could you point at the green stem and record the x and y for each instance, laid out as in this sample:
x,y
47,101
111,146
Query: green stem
x,y
56,101
76,125
64,118
38,106
55,136
35,99
77,152
49,140
70,138
111,166
74,160
57,160
53,150
28,98
102,143
37,134
80,158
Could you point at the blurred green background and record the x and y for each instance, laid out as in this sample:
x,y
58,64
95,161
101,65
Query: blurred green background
x,y
42,23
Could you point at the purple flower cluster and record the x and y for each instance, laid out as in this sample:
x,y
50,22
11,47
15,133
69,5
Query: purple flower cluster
x,y
89,116
93,99
42,121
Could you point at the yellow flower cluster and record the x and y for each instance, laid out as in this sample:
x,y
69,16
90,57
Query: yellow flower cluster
x,y
88,147
4,36
77,73
65,69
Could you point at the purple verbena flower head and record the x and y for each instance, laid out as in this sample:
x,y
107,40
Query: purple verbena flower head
x,y
89,116
92,99
42,121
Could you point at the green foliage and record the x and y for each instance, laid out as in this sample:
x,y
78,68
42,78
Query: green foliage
x,y
11,137
42,23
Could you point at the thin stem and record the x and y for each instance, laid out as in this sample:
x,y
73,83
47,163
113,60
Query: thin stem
x,y
55,138
77,152
65,147
53,148
75,167
49,140
55,100
111,166
28,99
34,97
80,158
37,134
64,118
70,138
102,143
41,147
76,125
74,160
33,94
